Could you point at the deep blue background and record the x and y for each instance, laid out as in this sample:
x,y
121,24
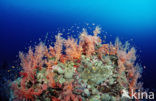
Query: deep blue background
x,y
22,21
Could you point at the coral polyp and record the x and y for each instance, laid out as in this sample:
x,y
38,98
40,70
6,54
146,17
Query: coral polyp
x,y
86,70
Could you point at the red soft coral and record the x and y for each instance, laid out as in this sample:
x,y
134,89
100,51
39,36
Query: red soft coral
x,y
67,94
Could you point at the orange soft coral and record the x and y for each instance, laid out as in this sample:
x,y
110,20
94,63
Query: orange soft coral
x,y
88,42
54,52
73,50
58,46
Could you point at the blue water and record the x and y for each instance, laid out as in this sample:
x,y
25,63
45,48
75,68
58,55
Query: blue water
x,y
23,21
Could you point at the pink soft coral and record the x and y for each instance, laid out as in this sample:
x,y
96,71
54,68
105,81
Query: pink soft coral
x,y
126,63
30,63
32,60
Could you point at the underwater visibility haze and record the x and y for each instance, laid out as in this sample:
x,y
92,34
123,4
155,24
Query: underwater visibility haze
x,y
77,50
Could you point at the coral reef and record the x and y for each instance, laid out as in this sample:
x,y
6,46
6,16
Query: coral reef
x,y
86,70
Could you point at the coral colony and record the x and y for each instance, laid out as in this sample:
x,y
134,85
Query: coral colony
x,y
86,70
